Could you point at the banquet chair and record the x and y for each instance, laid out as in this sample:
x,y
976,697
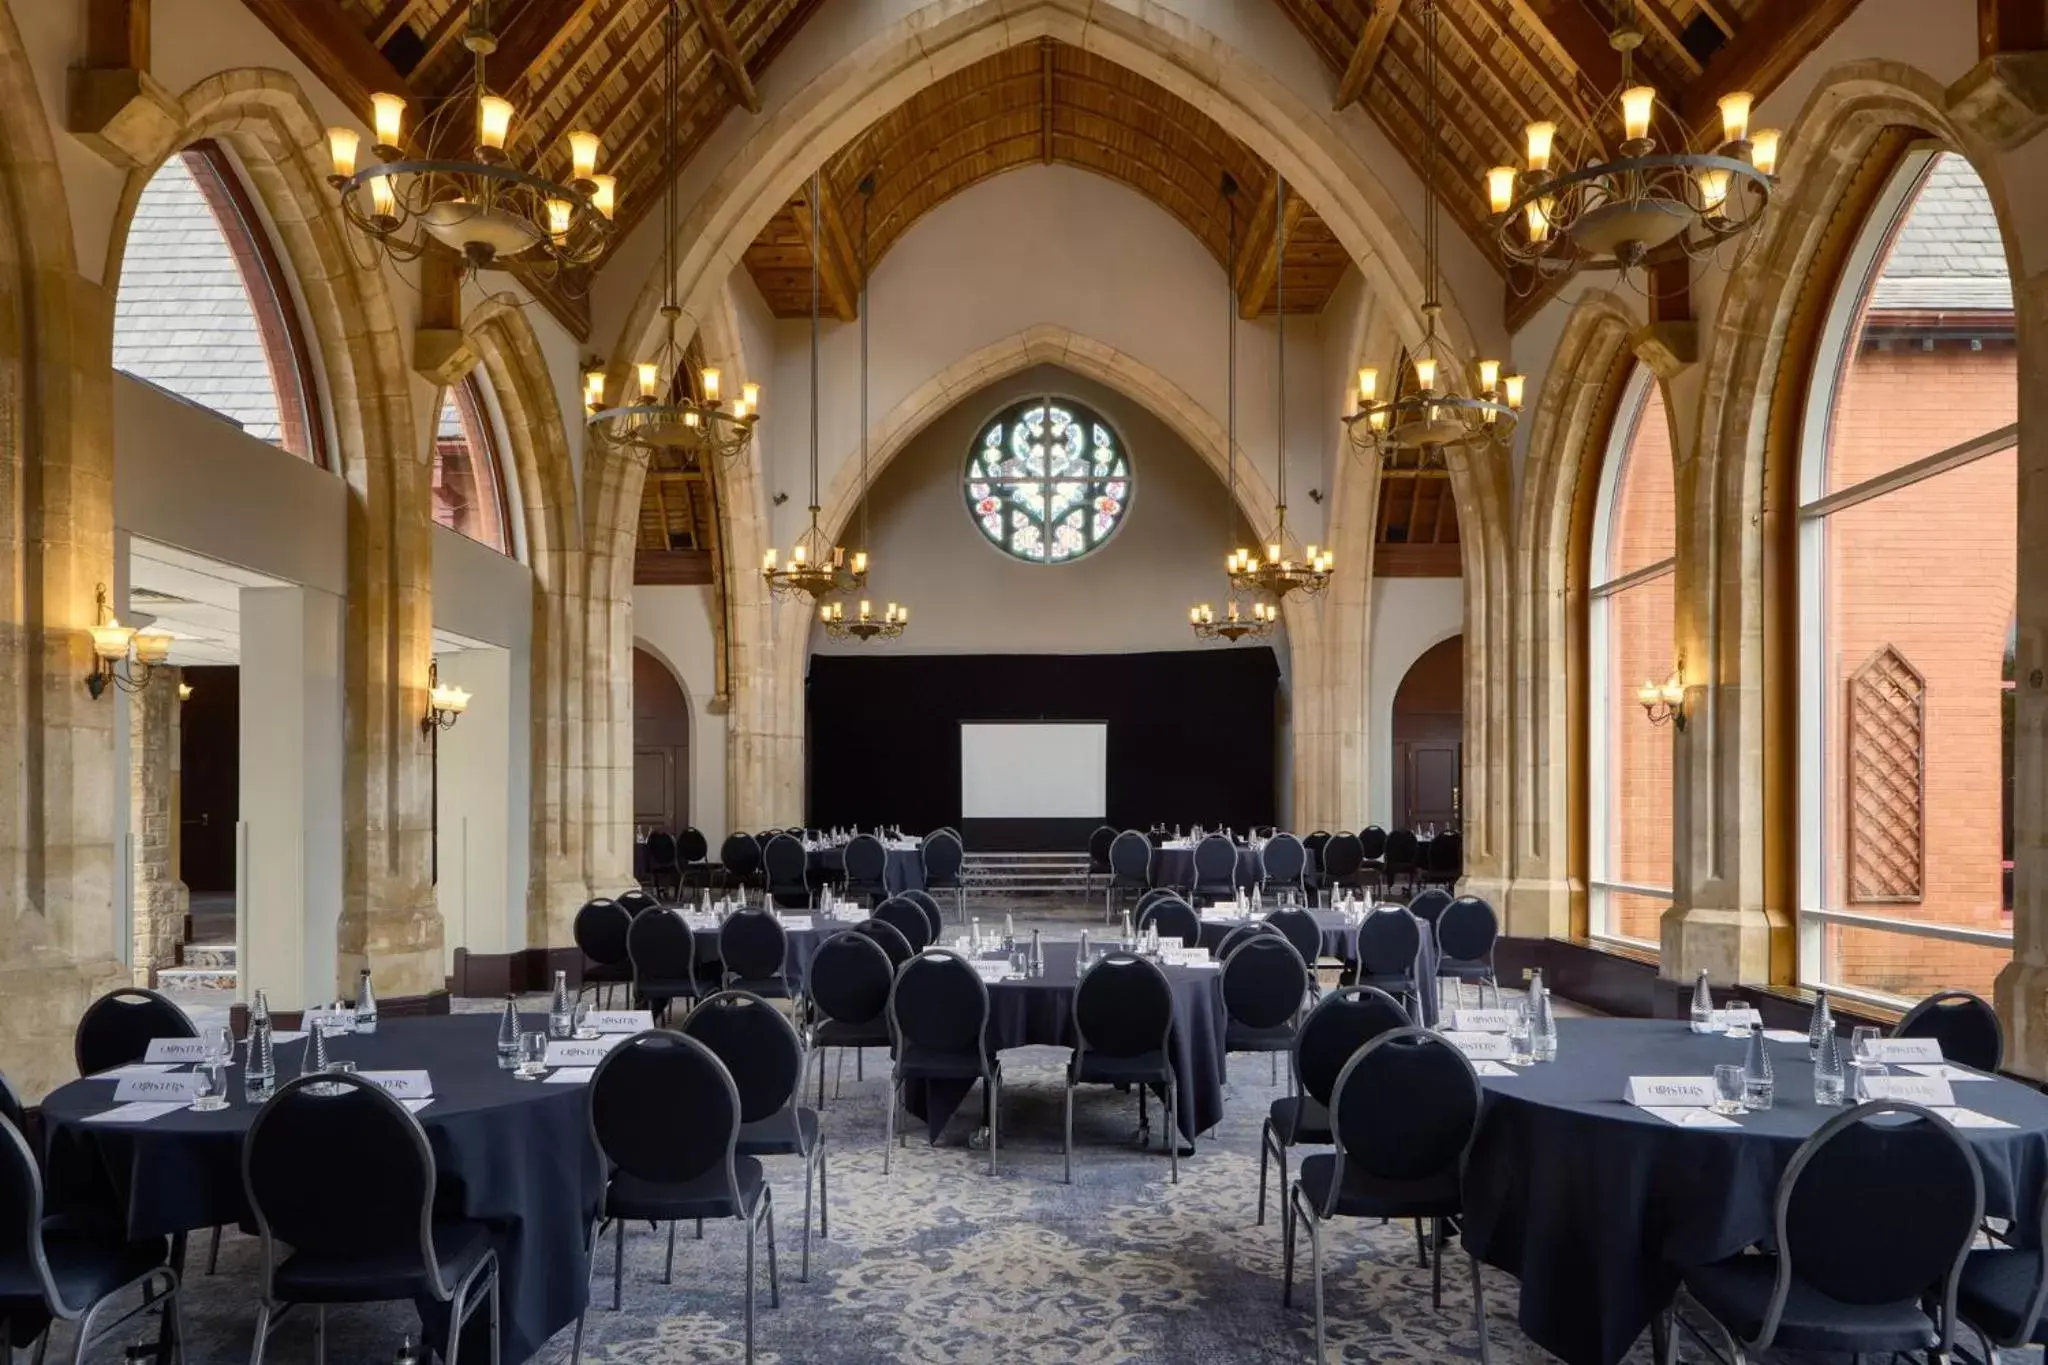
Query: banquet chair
x,y
1964,1024
755,950
846,999
65,1269
1264,983
929,903
786,865
1851,1273
1372,842
637,902
1215,870
343,1175
1098,855
1299,927
1389,940
740,856
2004,1289
11,1108
1428,904
1152,898
1175,918
909,918
938,1014
1465,935
691,851
1312,873
665,1114
1446,859
663,951
1130,871
867,868
765,1058
943,856
600,932
889,939
1399,860
117,1028
1242,934
1286,865
1123,1036
1403,1115
664,870
1341,1023
1343,864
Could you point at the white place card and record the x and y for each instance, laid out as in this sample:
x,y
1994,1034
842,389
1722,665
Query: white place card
x,y
1784,1035
792,923
415,1105
620,1021
1742,1017
1652,1092
402,1085
992,972
570,1075
1691,1118
176,1050
1483,1021
1909,1050
1220,914
115,1073
1201,964
134,1113
1184,957
1480,1046
1945,1071
581,1052
336,1021
1970,1118
1483,1068
1932,1091
173,1088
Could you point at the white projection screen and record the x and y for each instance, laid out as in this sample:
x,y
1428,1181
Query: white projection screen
x,y
1033,770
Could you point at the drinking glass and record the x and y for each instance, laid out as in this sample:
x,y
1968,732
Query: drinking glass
x,y
1521,1039
533,1056
580,1021
1449,996
212,1094
1728,1089
1865,1045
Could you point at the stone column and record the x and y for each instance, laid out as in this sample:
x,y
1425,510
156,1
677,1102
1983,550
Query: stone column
x,y
159,897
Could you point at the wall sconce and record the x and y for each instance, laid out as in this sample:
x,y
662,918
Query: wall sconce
x,y
114,644
184,691
1665,702
444,704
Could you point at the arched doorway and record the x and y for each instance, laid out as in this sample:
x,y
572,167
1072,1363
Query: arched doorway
x,y
661,746
1429,737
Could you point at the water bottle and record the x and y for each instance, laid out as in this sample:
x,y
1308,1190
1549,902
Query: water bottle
x,y
1823,1024
259,1071
1009,930
561,1009
1037,955
366,1003
1702,1006
1758,1084
315,1059
406,1355
974,936
1827,1072
508,1035
1081,955
1542,1021
1130,937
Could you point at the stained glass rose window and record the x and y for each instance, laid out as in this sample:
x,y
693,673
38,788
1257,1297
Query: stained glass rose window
x,y
1048,481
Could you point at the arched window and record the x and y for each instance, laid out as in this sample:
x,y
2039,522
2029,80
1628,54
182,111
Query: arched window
x,y
469,496
203,308
1048,481
1629,635
1908,550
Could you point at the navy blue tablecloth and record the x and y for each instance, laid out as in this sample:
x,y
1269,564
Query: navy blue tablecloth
x,y
1175,867
516,1155
903,870
1595,1206
800,946
1340,940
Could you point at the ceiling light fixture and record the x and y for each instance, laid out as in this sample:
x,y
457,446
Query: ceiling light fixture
x,y
892,622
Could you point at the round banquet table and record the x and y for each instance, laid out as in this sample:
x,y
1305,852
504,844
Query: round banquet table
x,y
1595,1205
1174,865
1029,1011
902,871
514,1154
801,945
1340,940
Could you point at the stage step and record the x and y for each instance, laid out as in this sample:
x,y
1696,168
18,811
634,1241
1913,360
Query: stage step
x,y
1003,875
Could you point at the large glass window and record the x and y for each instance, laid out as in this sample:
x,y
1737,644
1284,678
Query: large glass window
x,y
203,310
1907,561
1048,481
468,495
1630,638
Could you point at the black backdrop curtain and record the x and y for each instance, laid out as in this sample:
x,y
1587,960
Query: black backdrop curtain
x,y
1191,734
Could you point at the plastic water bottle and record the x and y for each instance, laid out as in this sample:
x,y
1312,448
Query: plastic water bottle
x,y
259,1071
315,1060
1130,935
1542,1021
1037,955
1702,1006
1009,930
1827,1072
1081,955
1758,1083
366,1003
508,1035
1822,1025
561,1009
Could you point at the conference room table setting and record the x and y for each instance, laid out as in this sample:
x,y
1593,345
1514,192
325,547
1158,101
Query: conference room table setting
x,y
1594,1202
903,870
512,1153
1340,941
1173,864
802,932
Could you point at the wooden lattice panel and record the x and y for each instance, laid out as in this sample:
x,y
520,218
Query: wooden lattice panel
x,y
1887,736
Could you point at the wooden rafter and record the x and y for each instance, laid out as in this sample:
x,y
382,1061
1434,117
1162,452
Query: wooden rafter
x,y
1762,54
393,17
445,30
1563,92
1654,16
580,101
1569,29
1489,62
1371,42
619,148
535,34
566,69
1456,195
338,52
2011,26
1504,133
1258,256
825,233
117,34
1717,16
1045,98
718,37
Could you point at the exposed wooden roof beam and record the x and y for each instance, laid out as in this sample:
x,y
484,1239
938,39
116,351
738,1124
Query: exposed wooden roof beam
x,y
338,52
2011,26
1258,256
825,234
1483,53
1459,196
1045,119
1717,15
597,33
581,100
718,36
1563,91
117,34
1506,134
444,31
394,17
1762,54
1674,41
535,34
618,151
1569,29
1378,25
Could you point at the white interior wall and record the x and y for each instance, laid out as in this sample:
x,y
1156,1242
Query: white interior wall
x,y
674,623
1408,616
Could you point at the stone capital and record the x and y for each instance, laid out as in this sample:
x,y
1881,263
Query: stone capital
x,y
1668,348
2003,99
123,114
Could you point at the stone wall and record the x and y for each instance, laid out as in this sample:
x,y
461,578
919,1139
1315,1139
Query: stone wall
x,y
159,896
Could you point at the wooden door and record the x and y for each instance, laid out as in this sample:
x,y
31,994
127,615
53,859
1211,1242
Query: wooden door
x,y
661,746
1428,743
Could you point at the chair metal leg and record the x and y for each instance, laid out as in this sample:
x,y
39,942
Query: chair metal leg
x,y
1173,1132
700,1229
1315,1260
1421,1247
619,1264
995,1114
889,1132
319,1335
809,1171
1273,1068
213,1251
824,1195
1265,1149
821,1075
255,1351
1070,1132
774,1281
174,1308
668,1269
752,1223
1436,1288
496,1319
1286,1248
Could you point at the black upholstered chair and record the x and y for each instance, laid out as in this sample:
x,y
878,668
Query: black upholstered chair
x,y
846,998
867,869
1242,934
2004,1289
66,1269
945,859
1964,1024
1264,984
1314,845
1123,1033
1342,1022
1215,870
118,1028
755,950
765,1057
889,939
1286,864
11,1107
740,856
1174,918
1343,864
1389,941
1402,1118
1098,855
1465,935
665,1114
664,868
341,1182
1872,1224
787,867
1400,859
1299,928
600,932
1428,904
663,951
637,902
1445,863
692,849
910,920
931,910
1130,871
938,1013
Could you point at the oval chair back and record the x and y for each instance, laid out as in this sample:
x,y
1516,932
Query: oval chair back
x,y
1285,861
788,867
930,905
865,861
1447,857
1372,840
1123,1007
692,846
1300,928
1264,982
1466,930
1342,857
741,856
940,1005
1341,1023
636,902
24,1261
663,949
664,1110
661,852
1130,859
849,978
1965,1025
117,1028
1215,866
11,1107
757,1044
1404,1112
942,856
890,940
600,931
1152,898
1098,848
909,918
1428,904
1388,940
1175,919
753,945
1402,848
1243,934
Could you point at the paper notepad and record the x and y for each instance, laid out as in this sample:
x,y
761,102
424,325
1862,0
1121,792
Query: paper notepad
x,y
1785,1035
1932,1091
1692,1118
134,1113
416,1105
570,1075
792,923
1970,1118
1943,1071
1492,1069
115,1073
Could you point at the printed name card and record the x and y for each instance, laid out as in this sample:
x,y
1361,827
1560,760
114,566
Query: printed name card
x,y
1220,914
1931,1091
581,1052
1741,1018
178,1087
1663,1092
1492,1047
792,923
1889,1050
194,1050
333,1020
620,1021
1483,1021
402,1085
1184,957
993,971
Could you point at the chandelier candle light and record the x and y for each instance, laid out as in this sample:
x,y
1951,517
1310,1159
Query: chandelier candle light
x,y
1235,625
483,206
1612,210
114,645
675,424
